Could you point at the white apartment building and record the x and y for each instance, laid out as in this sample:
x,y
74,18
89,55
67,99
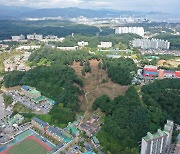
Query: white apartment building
x,y
33,47
83,44
34,36
18,38
105,45
134,30
159,142
68,48
151,44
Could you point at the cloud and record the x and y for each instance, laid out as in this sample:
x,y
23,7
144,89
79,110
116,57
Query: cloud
x,y
137,5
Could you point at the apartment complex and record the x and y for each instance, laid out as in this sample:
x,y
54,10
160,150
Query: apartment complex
x,y
18,38
151,44
105,45
34,36
159,142
134,30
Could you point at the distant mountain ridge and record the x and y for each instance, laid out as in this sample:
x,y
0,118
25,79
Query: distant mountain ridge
x,y
17,12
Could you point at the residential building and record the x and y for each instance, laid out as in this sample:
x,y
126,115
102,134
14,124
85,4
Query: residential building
x,y
95,141
134,30
159,142
105,45
16,119
72,130
32,47
151,44
68,48
83,44
51,37
18,38
41,125
57,134
30,92
34,36
91,126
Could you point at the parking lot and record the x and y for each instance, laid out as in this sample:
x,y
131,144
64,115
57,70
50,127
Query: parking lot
x,y
41,108
2,107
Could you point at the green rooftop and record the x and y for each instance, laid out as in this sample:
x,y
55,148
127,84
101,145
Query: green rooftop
x,y
16,119
71,128
96,141
34,91
158,134
41,98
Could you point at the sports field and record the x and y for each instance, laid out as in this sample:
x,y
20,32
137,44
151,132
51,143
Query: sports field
x,y
27,147
30,145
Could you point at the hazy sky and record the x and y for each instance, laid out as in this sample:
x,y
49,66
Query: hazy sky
x,y
137,5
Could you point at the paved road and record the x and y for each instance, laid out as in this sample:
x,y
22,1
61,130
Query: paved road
x,y
2,107
177,151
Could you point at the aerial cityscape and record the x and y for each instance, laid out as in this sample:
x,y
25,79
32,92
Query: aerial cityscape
x,y
89,77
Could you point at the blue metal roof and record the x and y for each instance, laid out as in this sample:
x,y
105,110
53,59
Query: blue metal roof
x,y
40,121
25,87
56,131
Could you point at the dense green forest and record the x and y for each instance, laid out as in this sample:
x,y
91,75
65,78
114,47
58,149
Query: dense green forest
x,y
125,123
57,82
59,28
119,70
162,98
54,56
128,118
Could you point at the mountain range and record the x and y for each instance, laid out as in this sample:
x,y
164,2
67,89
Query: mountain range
x,y
18,12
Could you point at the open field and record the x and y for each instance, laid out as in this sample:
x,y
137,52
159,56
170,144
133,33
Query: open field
x,y
4,56
169,63
94,87
30,145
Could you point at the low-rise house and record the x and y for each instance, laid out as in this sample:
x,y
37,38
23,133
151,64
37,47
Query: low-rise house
x,y
41,125
16,119
72,130
105,45
83,44
95,141
91,126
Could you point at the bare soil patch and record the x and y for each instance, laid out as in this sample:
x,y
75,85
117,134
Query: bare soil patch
x,y
94,87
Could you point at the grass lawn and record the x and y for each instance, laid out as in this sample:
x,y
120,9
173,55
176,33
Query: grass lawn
x,y
28,147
